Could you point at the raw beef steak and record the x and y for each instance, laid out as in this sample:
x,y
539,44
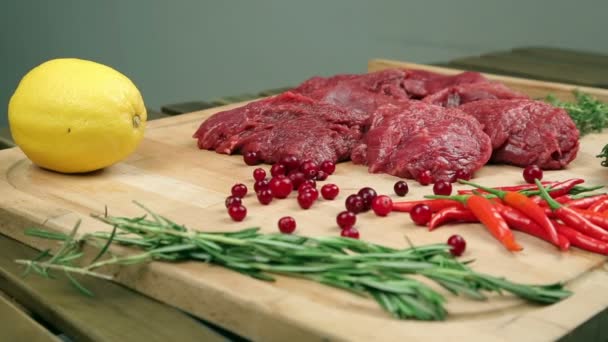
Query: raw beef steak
x,y
525,132
366,92
465,93
285,124
419,83
363,93
407,139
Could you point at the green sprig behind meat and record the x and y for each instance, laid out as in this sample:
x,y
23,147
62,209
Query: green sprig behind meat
x,y
588,113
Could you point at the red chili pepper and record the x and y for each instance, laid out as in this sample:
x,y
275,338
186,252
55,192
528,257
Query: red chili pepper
x,y
435,205
537,199
562,188
581,240
451,214
527,206
598,219
572,218
563,199
518,221
487,213
586,202
599,206
508,188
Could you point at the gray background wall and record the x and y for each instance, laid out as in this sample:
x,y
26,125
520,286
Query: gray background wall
x,y
195,50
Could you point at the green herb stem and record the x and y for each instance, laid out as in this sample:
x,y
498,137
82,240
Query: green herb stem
x,y
360,267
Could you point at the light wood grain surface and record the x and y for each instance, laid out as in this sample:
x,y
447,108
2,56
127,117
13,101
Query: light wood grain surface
x,y
171,175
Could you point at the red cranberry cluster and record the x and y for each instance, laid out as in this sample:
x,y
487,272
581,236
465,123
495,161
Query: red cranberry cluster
x,y
364,200
288,175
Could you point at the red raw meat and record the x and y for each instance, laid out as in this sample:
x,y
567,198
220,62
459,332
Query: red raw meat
x,y
363,93
525,132
285,124
407,139
366,92
465,93
419,83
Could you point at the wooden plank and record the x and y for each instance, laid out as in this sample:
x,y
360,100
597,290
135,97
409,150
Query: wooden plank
x,y
191,189
559,71
16,325
534,88
564,55
116,313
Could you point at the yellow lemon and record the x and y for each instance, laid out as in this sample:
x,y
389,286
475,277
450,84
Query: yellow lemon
x,y
72,115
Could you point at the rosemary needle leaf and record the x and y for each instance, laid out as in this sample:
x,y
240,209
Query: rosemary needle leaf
x,y
103,250
78,286
45,234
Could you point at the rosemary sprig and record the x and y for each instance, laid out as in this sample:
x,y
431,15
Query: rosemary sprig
x,y
379,272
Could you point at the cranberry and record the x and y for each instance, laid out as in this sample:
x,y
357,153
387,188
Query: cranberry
x,y
239,190
401,188
462,174
278,169
251,158
425,177
280,186
346,220
421,214
382,205
352,233
321,175
532,172
233,200
261,184
310,169
237,212
442,188
330,191
314,192
328,167
259,174
367,194
458,245
264,196
309,182
291,162
305,200
354,203
287,225
297,178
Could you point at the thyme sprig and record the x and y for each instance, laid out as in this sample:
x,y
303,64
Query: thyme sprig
x,y
588,113
385,274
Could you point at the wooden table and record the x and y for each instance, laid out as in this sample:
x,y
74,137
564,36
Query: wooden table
x,y
41,310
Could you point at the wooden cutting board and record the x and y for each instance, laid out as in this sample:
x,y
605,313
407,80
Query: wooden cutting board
x,y
171,175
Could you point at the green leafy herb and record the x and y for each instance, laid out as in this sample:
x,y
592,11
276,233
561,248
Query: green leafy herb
x,y
390,276
588,113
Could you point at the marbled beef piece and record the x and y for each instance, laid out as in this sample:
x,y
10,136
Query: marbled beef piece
x,y
411,137
366,92
420,83
285,124
525,132
465,93
363,93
